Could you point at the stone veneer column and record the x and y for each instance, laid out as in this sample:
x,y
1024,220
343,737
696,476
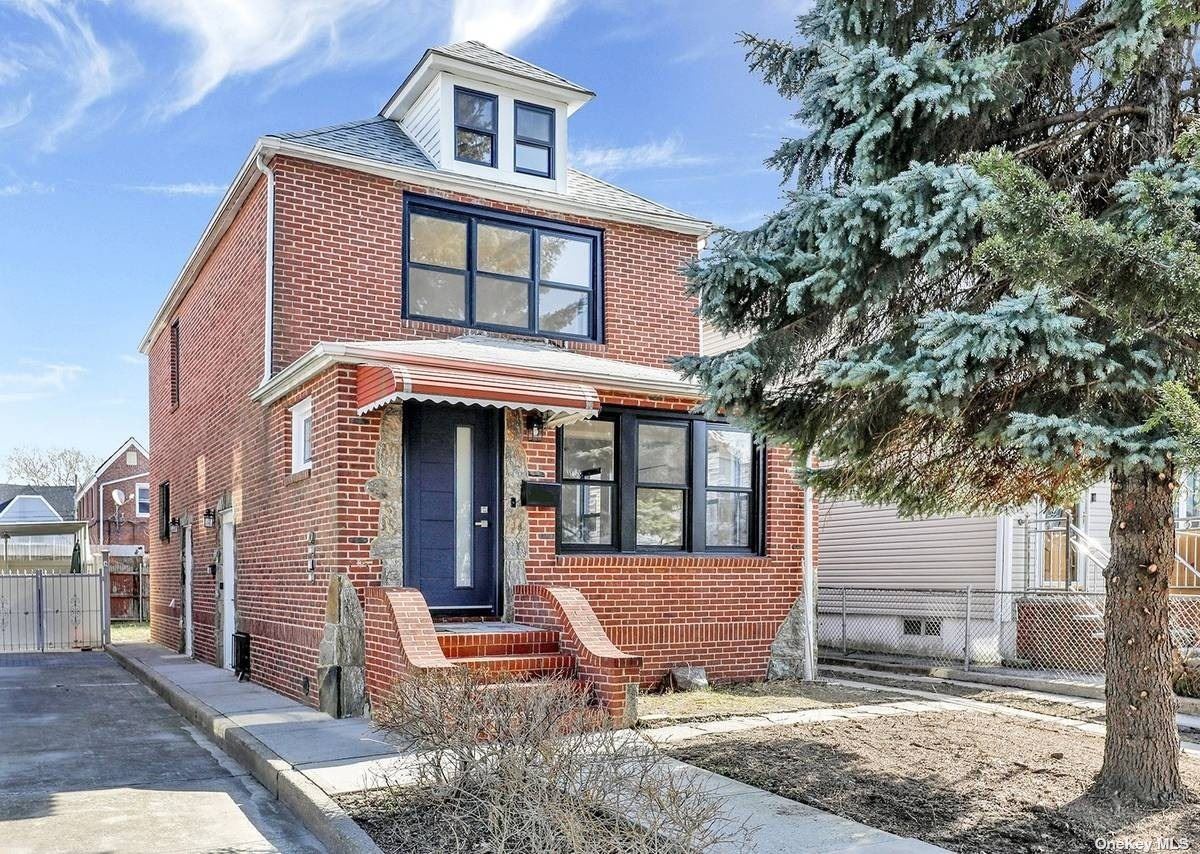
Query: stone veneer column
x,y
388,489
516,517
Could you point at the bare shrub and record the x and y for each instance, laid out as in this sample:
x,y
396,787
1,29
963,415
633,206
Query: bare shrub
x,y
531,768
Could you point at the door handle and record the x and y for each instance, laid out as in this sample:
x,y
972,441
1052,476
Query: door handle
x,y
482,523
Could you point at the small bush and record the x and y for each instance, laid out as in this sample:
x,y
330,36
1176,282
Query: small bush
x,y
532,768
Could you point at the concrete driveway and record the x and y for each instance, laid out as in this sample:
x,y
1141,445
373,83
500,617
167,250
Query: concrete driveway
x,y
92,761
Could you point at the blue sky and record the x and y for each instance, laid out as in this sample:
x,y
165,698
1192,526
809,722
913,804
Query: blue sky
x,y
122,122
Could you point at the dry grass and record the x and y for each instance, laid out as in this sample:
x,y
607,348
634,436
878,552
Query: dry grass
x,y
964,780
129,632
757,698
530,768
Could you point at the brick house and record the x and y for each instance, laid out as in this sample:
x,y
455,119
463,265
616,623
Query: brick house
x,y
411,405
119,530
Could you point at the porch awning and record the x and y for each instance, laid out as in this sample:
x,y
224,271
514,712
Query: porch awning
x,y
435,381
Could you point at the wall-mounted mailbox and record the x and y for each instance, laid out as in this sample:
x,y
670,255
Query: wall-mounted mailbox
x,y
540,494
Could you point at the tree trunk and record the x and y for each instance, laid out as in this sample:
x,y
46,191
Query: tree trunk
x,y
1141,751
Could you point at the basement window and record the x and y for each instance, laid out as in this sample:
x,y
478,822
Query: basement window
x,y
917,627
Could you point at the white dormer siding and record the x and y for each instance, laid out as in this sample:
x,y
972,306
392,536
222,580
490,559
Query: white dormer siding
x,y
422,121
424,106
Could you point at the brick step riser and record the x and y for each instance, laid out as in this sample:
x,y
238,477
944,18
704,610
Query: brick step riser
x,y
476,646
532,667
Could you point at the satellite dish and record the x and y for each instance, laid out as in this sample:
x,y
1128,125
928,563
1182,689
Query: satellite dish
x,y
118,496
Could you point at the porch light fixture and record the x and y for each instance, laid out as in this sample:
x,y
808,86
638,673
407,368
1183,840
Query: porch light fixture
x,y
535,424
210,517
174,524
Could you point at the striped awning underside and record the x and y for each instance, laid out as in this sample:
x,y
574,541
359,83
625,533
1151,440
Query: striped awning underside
x,y
434,381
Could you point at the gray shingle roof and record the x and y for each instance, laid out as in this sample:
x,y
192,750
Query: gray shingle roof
x,y
383,141
478,53
61,498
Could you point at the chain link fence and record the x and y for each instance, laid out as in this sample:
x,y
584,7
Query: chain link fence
x,y
1057,633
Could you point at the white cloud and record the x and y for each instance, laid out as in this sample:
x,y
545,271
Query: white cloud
x,y
33,380
235,37
502,24
90,70
16,112
25,188
132,358
187,188
664,154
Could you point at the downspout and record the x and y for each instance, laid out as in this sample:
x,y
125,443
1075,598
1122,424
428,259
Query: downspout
x,y
269,272
810,579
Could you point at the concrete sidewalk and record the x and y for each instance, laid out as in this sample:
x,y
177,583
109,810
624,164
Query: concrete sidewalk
x,y
307,758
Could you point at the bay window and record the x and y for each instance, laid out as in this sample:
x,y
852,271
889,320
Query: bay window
x,y
474,267
645,482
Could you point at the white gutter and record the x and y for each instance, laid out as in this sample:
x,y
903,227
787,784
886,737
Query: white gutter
x,y
269,269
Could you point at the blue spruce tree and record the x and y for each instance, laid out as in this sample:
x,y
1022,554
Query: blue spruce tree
x,y
984,286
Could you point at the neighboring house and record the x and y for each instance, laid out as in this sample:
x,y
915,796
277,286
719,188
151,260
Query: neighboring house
x,y
37,529
419,365
120,529
115,502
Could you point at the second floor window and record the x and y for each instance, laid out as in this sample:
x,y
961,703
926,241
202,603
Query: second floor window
x,y
498,271
474,127
302,429
143,499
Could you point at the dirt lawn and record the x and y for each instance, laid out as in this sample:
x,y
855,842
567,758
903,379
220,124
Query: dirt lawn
x,y
756,698
964,780
129,632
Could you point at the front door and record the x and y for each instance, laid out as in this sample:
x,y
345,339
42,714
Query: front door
x,y
451,514
228,589
187,591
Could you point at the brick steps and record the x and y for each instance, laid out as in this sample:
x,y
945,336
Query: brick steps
x,y
520,667
479,644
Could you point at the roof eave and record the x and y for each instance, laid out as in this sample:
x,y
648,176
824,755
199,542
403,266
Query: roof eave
x,y
229,207
434,61
485,189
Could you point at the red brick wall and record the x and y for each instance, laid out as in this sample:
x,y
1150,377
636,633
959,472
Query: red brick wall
x,y
338,265
134,530
338,278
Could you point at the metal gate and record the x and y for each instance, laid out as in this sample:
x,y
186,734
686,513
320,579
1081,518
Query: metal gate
x,y
52,611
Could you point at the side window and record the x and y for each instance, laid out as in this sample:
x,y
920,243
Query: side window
x,y
175,364
302,428
143,499
475,127
164,511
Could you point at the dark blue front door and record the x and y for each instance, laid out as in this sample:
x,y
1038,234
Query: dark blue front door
x,y
451,517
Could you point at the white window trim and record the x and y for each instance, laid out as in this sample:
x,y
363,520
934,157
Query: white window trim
x,y
137,488
301,411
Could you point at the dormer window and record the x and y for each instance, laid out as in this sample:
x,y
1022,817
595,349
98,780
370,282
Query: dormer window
x,y
533,140
475,127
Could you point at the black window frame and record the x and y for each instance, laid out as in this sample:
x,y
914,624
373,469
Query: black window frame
x,y
473,215
535,143
164,510
624,509
174,358
494,133
614,484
